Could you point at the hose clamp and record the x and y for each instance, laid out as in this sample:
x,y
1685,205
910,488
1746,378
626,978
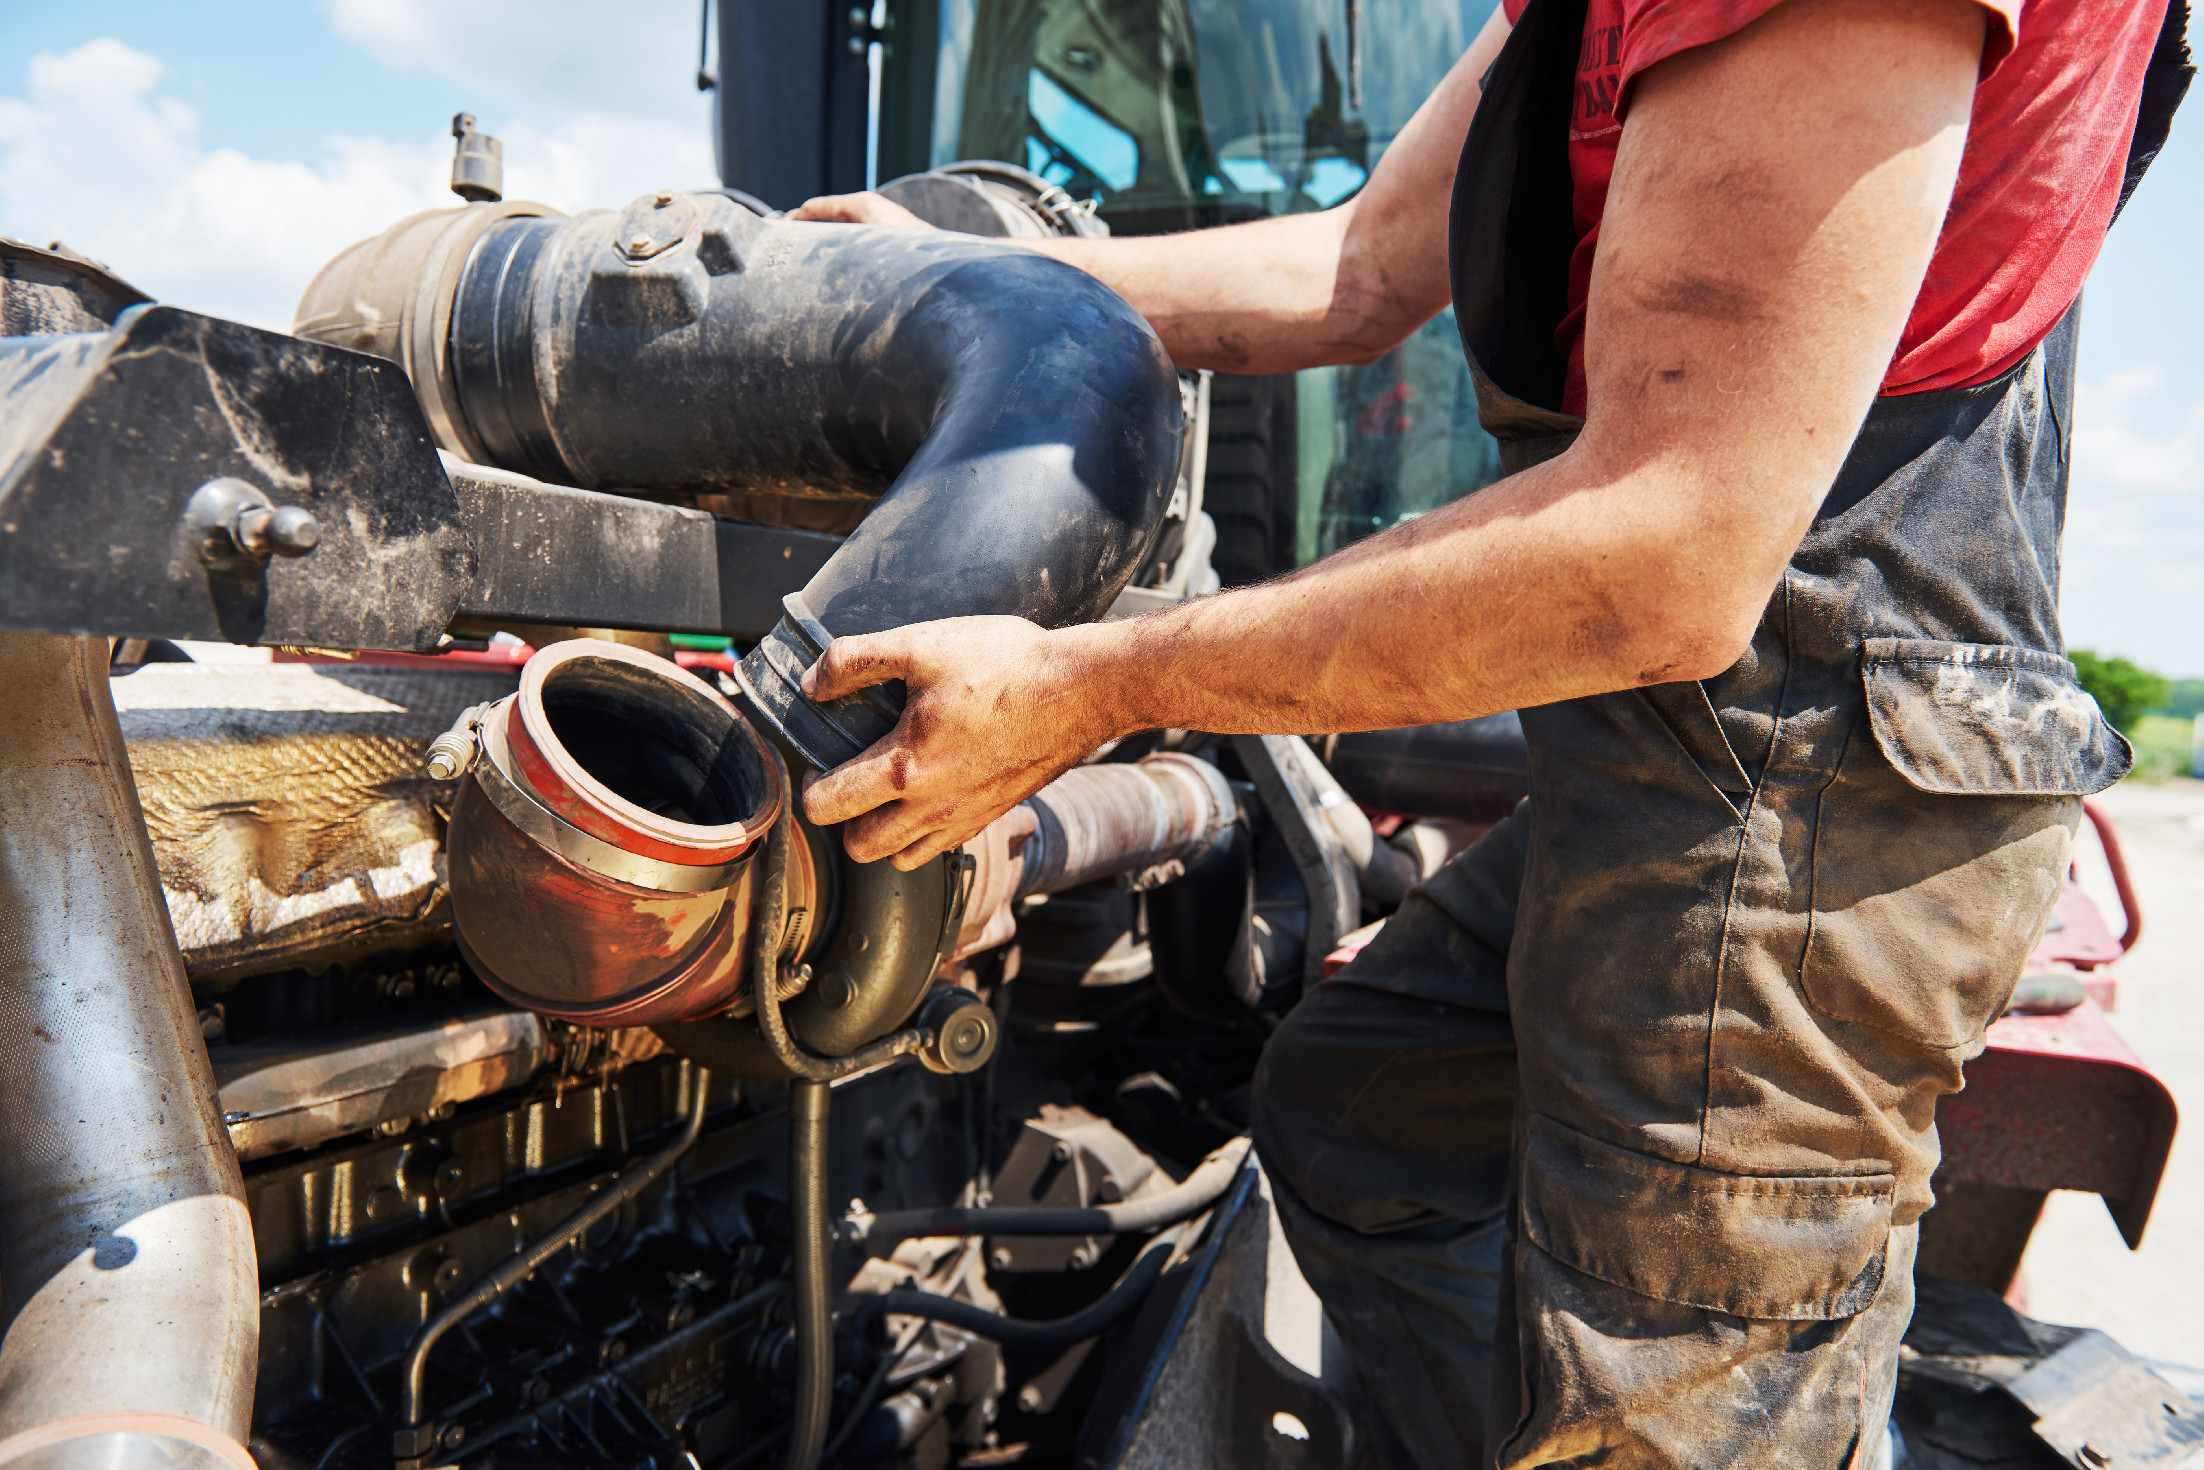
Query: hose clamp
x,y
509,793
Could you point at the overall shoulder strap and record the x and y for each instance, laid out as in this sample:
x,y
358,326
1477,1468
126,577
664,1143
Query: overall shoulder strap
x,y
1511,234
2164,85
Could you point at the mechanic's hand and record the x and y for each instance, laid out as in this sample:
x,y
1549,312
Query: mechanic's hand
x,y
857,209
996,710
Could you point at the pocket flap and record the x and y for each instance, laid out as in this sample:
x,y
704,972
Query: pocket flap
x,y
1774,1248
1984,719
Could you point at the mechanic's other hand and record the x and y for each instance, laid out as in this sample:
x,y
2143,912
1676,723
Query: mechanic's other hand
x,y
867,208
996,710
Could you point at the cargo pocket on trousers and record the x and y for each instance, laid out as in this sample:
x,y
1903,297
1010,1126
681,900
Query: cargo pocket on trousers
x,y
1771,1247
1941,841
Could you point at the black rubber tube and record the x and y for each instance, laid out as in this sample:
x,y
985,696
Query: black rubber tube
x,y
1130,1291
807,1196
1020,421
1197,1192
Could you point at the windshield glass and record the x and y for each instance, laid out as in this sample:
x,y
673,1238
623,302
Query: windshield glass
x,y
1219,108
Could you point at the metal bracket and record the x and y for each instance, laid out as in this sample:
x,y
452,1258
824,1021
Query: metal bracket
x,y
1296,806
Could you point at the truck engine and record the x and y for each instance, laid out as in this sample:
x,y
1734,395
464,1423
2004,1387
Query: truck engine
x,y
530,1082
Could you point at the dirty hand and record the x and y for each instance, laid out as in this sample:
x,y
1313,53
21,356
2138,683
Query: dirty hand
x,y
857,209
997,708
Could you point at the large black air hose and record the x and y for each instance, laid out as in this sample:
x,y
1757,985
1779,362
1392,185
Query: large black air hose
x,y
1019,421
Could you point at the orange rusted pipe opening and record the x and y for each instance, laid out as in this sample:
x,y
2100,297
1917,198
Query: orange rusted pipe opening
x,y
601,844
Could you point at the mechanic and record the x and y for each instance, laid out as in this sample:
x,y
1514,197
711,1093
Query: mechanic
x,y
1630,1110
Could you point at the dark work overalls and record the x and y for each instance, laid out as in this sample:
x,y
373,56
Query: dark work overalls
x,y
1629,1113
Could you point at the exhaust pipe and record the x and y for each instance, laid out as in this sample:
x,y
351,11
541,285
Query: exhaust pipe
x,y
129,1292
606,851
599,851
1018,422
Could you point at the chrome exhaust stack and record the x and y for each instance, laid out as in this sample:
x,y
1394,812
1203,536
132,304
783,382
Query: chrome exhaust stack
x,y
129,1292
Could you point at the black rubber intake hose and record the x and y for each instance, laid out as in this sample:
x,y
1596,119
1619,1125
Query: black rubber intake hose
x,y
1020,421
1197,1192
807,1194
1130,1291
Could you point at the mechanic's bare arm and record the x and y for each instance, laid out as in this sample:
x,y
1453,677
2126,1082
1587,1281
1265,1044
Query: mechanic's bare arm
x,y
1302,290
1775,201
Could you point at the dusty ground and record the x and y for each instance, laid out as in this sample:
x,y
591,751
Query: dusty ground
x,y
2078,1270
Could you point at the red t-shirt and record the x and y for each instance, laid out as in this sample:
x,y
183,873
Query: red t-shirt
x,y
2046,152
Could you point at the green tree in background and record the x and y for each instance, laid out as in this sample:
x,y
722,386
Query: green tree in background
x,y
2122,690
2185,701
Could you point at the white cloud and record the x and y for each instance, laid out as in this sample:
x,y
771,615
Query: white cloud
x,y
593,110
639,61
2134,580
2112,451
93,155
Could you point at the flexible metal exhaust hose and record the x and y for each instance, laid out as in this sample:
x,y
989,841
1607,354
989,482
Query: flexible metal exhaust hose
x,y
1019,421
1197,1192
129,1292
1096,821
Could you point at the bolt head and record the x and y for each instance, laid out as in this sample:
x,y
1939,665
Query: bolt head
x,y
999,1258
449,1275
292,532
1029,1399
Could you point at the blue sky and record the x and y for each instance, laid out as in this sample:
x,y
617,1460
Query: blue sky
x,y
217,152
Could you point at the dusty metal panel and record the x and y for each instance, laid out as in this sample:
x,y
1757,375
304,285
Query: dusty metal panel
x,y
551,554
106,437
279,1096
1216,1390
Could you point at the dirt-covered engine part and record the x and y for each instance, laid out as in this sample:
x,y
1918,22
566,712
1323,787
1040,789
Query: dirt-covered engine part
x,y
1147,818
599,841
1018,424
289,806
983,197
